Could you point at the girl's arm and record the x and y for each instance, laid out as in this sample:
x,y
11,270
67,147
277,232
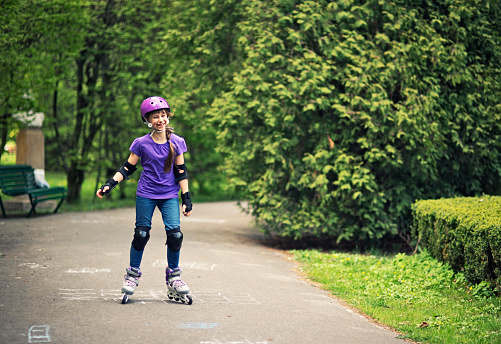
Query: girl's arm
x,y
118,177
183,184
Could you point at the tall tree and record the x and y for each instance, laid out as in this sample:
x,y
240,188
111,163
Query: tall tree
x,y
9,67
118,63
23,40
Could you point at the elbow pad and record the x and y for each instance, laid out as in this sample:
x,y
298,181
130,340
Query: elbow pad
x,y
180,172
127,169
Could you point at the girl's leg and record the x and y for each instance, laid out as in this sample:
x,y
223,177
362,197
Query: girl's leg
x,y
170,216
178,290
144,212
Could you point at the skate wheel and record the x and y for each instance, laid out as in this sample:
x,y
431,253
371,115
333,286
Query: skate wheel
x,y
125,299
189,299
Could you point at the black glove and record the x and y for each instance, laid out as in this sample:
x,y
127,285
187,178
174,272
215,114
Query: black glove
x,y
187,201
111,183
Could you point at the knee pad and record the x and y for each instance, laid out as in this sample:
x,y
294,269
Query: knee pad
x,y
174,239
141,237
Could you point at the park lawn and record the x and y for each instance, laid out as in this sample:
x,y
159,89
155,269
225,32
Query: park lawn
x,y
418,296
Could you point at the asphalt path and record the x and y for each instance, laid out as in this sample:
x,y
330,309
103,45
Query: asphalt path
x,y
61,274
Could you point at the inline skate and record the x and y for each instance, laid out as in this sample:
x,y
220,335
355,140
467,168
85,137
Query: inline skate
x,y
177,289
131,282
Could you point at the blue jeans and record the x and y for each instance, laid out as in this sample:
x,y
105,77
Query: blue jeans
x,y
169,208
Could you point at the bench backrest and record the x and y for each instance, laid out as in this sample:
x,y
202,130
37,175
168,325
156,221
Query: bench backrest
x,y
16,179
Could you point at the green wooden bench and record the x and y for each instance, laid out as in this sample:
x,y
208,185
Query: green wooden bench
x,y
18,180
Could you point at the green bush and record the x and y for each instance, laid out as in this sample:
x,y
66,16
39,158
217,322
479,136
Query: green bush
x,y
465,233
345,112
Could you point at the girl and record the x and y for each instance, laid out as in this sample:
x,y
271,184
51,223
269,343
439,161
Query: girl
x,y
164,173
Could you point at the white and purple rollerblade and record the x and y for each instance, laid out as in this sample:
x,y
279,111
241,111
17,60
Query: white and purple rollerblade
x,y
178,290
130,283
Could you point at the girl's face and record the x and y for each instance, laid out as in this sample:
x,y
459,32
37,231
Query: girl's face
x,y
159,120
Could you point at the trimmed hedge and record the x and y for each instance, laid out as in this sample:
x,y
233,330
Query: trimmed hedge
x,y
463,232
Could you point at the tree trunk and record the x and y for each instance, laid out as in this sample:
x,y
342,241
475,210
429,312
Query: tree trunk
x,y
3,134
60,150
75,180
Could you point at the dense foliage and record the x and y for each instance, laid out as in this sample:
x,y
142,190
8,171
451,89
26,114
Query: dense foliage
x,y
97,60
200,45
329,117
32,35
346,112
464,233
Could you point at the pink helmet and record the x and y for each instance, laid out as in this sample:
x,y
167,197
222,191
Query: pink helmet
x,y
152,104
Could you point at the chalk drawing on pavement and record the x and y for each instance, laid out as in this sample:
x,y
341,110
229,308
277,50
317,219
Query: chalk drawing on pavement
x,y
216,297
78,294
197,326
87,271
39,334
187,265
148,296
34,265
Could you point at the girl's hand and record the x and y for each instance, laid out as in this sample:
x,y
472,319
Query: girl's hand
x,y
186,200
184,211
99,192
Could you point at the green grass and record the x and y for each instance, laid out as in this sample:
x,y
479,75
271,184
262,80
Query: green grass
x,y
416,295
8,159
199,189
89,201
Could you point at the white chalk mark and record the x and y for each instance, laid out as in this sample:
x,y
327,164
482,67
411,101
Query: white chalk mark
x,y
148,296
237,298
197,325
39,334
33,265
87,271
78,294
159,295
186,265
159,262
198,266
111,294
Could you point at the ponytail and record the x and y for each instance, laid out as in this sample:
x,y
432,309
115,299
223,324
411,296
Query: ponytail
x,y
170,158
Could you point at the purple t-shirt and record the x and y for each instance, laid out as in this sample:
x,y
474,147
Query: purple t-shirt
x,y
154,183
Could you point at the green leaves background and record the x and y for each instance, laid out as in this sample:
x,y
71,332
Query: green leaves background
x,y
346,112
329,117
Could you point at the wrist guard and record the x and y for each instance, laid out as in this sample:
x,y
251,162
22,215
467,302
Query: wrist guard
x,y
187,201
111,183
